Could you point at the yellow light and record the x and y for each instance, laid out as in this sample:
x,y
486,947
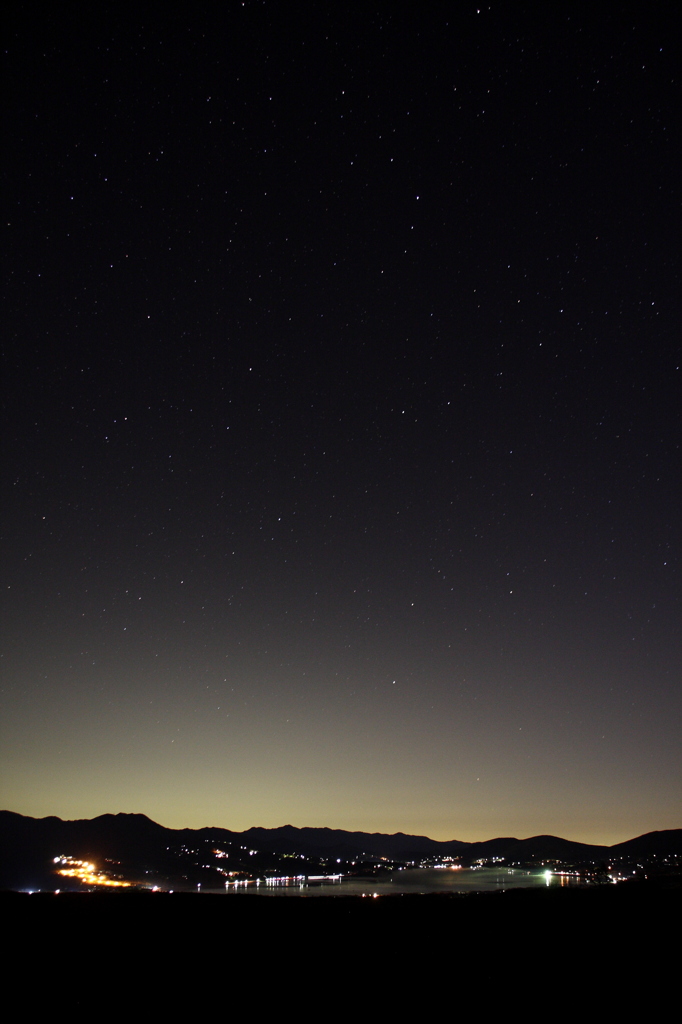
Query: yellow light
x,y
86,872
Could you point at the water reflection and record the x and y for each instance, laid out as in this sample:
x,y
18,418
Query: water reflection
x,y
413,880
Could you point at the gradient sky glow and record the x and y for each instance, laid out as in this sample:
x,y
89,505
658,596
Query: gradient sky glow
x,y
341,460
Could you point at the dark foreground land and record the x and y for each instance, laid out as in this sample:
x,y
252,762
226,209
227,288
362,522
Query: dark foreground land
x,y
580,948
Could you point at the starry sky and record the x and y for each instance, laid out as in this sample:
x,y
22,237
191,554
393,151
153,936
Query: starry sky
x,y
341,417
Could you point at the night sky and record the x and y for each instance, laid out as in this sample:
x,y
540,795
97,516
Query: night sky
x,y
341,417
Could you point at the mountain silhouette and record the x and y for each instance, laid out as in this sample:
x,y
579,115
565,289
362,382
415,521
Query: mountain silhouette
x,y
137,848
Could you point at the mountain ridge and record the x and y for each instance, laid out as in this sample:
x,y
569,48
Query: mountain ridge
x,y
142,848
311,830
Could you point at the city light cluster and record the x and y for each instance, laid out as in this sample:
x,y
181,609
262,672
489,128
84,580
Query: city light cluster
x,y
87,873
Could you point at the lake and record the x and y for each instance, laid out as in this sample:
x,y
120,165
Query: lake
x,y
410,880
